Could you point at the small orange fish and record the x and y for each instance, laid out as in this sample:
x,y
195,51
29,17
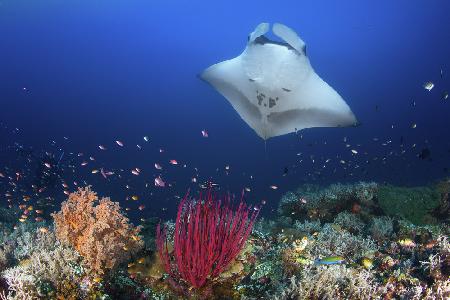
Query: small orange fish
x,y
97,279
173,162
141,207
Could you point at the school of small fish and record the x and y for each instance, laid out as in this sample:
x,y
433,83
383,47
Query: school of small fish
x,y
33,184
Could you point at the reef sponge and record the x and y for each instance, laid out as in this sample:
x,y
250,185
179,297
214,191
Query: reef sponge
x,y
97,229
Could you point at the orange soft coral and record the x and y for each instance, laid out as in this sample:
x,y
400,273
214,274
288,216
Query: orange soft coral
x,y
97,229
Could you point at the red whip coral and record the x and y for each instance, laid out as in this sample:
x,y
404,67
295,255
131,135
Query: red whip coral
x,y
97,229
208,235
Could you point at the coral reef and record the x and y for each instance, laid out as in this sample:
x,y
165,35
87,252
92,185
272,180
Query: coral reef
x,y
326,243
98,230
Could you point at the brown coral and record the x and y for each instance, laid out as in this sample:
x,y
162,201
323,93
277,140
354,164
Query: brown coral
x,y
97,229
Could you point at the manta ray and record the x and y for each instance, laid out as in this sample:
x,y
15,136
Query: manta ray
x,y
274,88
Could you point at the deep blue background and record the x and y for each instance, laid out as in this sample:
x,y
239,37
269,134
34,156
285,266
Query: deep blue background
x,y
97,71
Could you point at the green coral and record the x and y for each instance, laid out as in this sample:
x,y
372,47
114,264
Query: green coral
x,y
411,203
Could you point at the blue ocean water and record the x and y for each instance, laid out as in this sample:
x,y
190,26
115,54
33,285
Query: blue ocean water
x,y
99,71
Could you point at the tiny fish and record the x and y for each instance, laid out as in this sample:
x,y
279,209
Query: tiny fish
x,y
141,207
158,166
367,262
102,147
354,151
43,229
119,143
134,172
273,187
159,182
204,133
47,165
331,260
428,85
146,138
134,197
173,162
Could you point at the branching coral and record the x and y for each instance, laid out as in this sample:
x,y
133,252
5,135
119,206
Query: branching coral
x,y
46,273
333,241
349,221
334,282
308,227
381,228
97,229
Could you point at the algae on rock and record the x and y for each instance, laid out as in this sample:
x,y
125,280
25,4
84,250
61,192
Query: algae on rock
x,y
411,203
